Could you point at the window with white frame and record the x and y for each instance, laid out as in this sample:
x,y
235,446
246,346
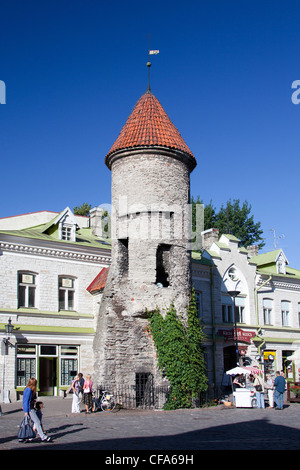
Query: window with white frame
x,y
26,363
68,364
26,290
240,309
66,287
267,311
227,313
66,232
285,312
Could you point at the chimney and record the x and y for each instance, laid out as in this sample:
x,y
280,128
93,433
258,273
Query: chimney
x,y
252,250
208,237
96,221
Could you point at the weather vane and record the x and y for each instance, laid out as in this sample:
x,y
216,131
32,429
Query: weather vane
x,y
150,52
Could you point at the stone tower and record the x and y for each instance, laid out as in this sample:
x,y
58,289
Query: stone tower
x,y
150,166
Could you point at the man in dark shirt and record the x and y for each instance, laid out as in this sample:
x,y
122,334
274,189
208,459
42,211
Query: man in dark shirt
x,y
279,390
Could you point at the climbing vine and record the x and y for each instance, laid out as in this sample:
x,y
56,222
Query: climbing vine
x,y
179,353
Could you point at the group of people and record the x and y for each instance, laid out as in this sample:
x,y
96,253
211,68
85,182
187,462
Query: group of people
x,y
82,388
33,409
274,388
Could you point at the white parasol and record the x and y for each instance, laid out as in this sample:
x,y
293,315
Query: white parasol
x,y
237,370
295,356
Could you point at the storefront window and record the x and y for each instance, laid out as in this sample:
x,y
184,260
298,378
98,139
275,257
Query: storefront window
x,y
26,364
68,364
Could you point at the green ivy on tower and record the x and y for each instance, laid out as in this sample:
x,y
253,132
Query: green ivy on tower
x,y
179,353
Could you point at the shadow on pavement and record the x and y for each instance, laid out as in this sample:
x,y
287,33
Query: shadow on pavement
x,y
253,435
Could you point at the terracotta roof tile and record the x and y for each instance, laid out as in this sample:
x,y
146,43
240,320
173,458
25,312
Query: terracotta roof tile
x,y
149,125
99,282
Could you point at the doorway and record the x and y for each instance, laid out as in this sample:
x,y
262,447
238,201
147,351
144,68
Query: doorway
x,y
47,375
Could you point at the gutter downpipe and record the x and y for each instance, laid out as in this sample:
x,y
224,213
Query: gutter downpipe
x,y
256,312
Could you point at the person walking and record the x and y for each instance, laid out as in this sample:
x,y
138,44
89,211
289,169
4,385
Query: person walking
x,y
39,405
29,397
269,386
81,381
76,398
279,390
259,391
87,394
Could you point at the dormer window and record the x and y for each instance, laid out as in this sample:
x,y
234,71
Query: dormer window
x,y
280,267
66,232
281,263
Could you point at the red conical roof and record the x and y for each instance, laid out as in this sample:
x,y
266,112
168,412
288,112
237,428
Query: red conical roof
x,y
147,126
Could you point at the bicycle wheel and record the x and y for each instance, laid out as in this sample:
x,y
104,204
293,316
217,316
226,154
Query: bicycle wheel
x,y
254,403
108,404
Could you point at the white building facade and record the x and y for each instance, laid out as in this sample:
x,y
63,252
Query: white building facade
x,y
53,275
264,315
45,273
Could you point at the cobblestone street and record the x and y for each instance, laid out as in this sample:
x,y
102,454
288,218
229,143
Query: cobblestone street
x,y
215,428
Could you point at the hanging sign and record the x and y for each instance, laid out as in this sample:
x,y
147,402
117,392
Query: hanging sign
x,y
242,335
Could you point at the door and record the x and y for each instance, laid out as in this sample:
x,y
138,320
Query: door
x,y
47,375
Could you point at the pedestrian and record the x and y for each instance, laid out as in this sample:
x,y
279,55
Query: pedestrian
x,y
87,394
237,383
279,390
29,397
75,387
269,386
39,405
81,381
259,391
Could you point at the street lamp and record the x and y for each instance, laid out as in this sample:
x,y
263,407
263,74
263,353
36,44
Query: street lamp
x,y
8,329
234,294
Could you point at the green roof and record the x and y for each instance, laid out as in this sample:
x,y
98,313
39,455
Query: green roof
x,y
198,258
231,237
49,232
265,258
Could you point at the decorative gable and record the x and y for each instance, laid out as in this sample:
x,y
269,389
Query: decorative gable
x,y
64,225
281,262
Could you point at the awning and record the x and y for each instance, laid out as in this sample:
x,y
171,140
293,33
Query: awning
x,y
243,370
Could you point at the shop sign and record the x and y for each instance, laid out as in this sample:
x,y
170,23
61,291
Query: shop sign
x,y
242,335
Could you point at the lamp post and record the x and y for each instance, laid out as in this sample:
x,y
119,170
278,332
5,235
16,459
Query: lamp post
x,y
234,294
8,330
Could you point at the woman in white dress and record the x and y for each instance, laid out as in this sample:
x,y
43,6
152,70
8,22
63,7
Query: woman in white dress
x,y
76,399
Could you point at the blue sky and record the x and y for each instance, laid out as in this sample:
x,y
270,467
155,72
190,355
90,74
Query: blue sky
x,y
74,70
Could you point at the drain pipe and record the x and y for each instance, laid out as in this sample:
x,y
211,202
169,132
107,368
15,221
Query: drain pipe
x,y
257,315
256,298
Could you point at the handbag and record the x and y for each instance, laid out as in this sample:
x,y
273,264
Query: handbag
x,y
258,388
26,431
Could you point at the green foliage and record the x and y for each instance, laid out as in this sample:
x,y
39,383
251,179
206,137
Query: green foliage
x,y
179,354
235,219
84,209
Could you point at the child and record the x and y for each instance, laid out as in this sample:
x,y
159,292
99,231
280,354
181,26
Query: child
x,y
38,409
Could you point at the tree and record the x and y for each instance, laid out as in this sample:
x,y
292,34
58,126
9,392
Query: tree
x,y
84,209
233,218
236,220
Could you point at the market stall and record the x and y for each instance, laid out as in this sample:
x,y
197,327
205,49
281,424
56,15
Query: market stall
x,y
244,395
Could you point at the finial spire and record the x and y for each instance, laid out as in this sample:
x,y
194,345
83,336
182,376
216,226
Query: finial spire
x,y
150,52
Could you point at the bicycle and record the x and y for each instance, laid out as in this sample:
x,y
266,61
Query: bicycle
x,y
106,402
